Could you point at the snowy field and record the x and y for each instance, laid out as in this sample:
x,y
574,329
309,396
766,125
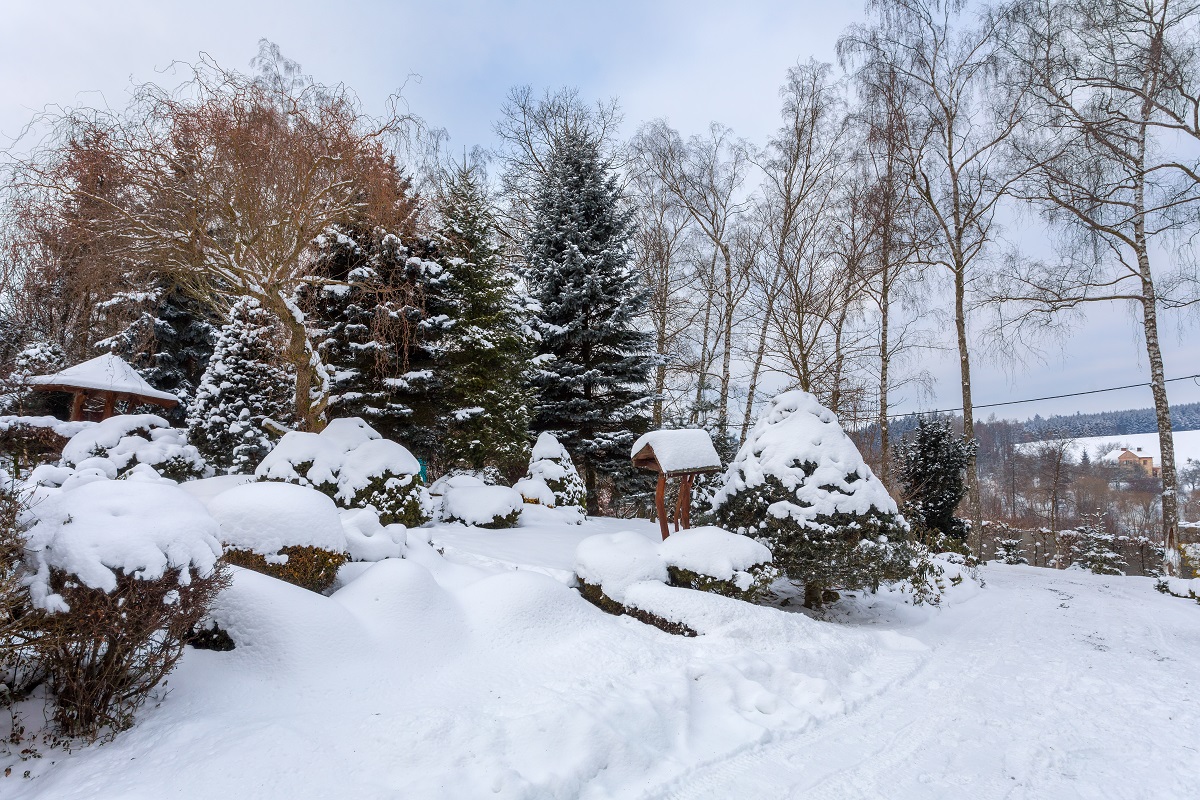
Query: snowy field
x,y
476,672
1187,445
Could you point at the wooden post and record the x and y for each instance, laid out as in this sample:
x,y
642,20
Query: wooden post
x,y
77,406
685,499
110,402
660,502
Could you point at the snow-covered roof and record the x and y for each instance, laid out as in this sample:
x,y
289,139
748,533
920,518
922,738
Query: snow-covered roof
x,y
688,450
106,373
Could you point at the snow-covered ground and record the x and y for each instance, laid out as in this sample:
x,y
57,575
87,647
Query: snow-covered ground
x,y
477,672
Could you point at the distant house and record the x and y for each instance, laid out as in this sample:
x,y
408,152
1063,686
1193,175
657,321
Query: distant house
x,y
1135,459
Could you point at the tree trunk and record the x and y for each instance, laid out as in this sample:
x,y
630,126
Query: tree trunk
x,y
885,459
727,355
759,355
964,361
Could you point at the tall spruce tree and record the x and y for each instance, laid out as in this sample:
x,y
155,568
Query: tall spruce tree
x,y
485,354
593,364
243,385
375,312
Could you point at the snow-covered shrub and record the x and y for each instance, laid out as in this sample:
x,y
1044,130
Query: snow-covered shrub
x,y
130,440
16,392
483,506
119,573
243,384
1094,549
552,479
290,532
713,560
1011,551
932,466
800,486
28,441
349,462
705,559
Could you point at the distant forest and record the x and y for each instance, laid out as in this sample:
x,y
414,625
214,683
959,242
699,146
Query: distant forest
x,y
1184,417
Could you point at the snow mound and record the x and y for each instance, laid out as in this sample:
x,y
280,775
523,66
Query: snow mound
x,y
685,450
53,424
714,552
455,481
799,443
96,530
485,506
369,540
266,517
535,490
616,561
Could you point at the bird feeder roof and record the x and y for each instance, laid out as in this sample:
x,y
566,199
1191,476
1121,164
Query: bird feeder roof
x,y
676,452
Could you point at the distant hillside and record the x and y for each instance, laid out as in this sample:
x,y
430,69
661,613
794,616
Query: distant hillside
x,y
1128,422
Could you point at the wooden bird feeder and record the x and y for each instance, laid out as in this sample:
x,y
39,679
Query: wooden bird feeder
x,y
99,385
682,454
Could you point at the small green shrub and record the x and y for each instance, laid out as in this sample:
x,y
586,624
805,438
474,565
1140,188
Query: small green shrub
x,y
762,575
311,568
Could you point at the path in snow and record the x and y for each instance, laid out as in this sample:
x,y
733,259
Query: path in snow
x,y
1050,685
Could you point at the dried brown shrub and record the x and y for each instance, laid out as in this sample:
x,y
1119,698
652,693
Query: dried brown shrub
x,y
311,568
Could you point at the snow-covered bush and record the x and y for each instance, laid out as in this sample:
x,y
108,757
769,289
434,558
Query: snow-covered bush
x,y
713,560
131,440
707,559
1092,548
349,462
931,464
1011,551
369,540
119,573
483,506
28,441
16,392
552,479
799,485
290,532
243,384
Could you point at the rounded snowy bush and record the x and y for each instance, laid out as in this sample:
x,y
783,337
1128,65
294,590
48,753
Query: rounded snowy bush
x,y
119,574
349,462
289,532
552,479
483,506
713,560
130,440
800,486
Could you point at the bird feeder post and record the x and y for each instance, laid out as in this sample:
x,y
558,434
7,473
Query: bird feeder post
x,y
682,454
660,504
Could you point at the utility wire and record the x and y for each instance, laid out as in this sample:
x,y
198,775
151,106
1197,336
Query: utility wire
x,y
1037,399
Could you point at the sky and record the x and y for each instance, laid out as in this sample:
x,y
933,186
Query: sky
x,y
454,62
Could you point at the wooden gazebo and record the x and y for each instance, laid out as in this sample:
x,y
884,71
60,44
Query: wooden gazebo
x,y
682,454
100,385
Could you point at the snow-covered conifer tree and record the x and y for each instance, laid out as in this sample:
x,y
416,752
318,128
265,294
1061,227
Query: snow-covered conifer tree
x,y
800,486
369,312
485,353
1094,549
40,357
593,364
244,384
552,479
932,466
169,346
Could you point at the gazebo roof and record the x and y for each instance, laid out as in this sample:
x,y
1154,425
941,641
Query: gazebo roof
x,y
677,451
106,373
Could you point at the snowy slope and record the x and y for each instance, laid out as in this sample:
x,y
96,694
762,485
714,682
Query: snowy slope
x,y
1187,445
479,673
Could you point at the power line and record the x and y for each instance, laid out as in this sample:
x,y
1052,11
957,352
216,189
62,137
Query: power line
x,y
1037,399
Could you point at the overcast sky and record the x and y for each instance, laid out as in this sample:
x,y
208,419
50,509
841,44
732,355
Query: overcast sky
x,y
691,62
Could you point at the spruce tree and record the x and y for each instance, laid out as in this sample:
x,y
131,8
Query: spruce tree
x,y
593,364
1095,549
169,346
375,314
932,466
485,354
243,385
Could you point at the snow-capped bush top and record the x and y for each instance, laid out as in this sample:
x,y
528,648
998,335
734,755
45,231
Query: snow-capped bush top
x,y
131,439
53,424
548,448
713,551
615,561
343,459
265,517
104,527
683,450
454,481
799,442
